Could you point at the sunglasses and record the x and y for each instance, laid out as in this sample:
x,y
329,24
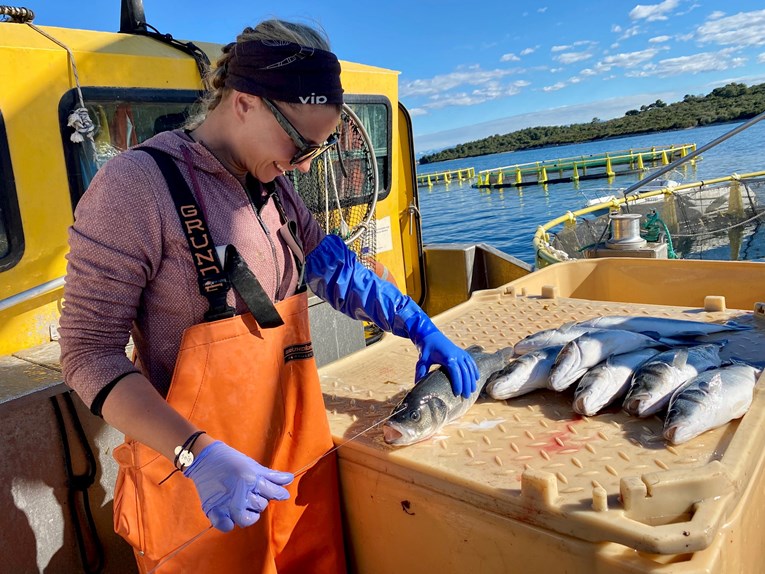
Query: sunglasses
x,y
306,150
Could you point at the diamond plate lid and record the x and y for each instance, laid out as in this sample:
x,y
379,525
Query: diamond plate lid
x,y
611,477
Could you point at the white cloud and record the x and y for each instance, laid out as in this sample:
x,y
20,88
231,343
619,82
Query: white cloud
x,y
555,87
742,29
509,57
469,75
693,64
560,48
761,58
716,15
659,39
627,59
527,51
487,87
653,12
414,112
573,57
630,32
542,10
616,28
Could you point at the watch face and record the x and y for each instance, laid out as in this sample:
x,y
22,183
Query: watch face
x,y
185,457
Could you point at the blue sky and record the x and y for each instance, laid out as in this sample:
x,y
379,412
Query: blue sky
x,y
473,69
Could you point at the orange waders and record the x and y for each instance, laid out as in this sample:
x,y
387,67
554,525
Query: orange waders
x,y
257,389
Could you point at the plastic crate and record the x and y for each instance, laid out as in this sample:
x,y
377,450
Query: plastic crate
x,y
527,485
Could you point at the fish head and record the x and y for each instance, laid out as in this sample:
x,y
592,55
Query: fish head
x,y
534,341
649,388
513,374
684,421
415,420
566,366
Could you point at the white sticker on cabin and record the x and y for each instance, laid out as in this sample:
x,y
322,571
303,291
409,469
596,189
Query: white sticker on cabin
x,y
384,237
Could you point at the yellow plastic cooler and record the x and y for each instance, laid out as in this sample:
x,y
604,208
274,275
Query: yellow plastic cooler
x,y
527,485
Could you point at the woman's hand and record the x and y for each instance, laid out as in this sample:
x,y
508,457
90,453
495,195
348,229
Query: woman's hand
x,y
234,489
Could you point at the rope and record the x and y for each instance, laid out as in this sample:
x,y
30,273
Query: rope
x,y
91,555
200,58
17,15
79,119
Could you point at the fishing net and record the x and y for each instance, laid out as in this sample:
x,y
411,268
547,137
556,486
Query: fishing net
x,y
341,188
717,221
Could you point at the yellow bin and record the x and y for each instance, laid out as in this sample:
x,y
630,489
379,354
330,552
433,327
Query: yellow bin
x,y
527,485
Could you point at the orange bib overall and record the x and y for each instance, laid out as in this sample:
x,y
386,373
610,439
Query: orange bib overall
x,y
258,391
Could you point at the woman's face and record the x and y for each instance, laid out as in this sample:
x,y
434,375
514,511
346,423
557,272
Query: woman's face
x,y
270,147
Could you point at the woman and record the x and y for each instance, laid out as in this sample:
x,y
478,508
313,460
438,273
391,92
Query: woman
x,y
224,387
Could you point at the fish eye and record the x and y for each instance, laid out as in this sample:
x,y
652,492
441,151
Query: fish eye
x,y
414,416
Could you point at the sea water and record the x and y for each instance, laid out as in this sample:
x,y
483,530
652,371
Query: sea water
x,y
508,218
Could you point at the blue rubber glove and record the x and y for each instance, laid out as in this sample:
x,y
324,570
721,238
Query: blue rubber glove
x,y
234,489
334,274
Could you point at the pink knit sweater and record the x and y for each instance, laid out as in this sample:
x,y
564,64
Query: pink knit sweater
x,y
130,270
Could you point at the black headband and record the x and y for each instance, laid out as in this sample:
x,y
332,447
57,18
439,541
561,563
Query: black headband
x,y
285,72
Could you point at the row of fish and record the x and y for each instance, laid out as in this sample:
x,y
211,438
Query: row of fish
x,y
648,363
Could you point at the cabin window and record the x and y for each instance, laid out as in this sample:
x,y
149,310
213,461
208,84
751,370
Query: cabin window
x,y
375,113
123,118
126,117
11,236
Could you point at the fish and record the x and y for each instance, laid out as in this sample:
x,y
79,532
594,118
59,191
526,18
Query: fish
x,y
709,400
431,404
658,327
523,375
655,381
550,337
587,350
608,381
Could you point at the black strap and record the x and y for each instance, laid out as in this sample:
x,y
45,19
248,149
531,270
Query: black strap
x,y
250,290
214,279
213,282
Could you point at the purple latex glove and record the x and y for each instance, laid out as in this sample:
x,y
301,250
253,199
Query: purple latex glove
x,y
234,489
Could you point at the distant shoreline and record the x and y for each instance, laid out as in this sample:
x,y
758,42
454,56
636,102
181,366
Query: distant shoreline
x,y
730,104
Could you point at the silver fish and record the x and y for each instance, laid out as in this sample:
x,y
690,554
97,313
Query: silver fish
x,y
550,337
523,375
431,404
586,351
655,381
608,381
662,326
710,400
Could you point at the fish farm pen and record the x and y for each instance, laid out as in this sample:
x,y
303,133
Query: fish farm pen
x,y
595,166
431,179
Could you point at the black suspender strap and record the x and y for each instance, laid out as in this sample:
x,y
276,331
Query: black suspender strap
x,y
212,277
250,290
213,283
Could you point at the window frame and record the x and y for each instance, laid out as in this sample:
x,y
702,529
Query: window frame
x,y
70,101
360,99
9,204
